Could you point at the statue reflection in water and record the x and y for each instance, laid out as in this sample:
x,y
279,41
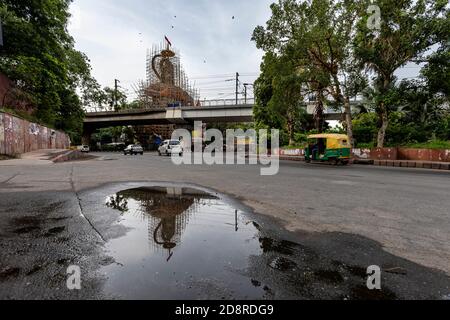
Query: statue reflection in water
x,y
167,210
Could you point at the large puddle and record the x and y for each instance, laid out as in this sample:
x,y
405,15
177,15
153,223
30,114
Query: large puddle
x,y
182,243
185,243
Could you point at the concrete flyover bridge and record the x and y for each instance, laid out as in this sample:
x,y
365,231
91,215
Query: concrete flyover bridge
x,y
209,111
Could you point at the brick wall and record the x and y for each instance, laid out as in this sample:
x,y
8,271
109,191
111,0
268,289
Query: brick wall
x,y
442,155
18,136
424,154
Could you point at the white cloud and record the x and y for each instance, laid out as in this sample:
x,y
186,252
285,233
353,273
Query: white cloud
x,y
116,34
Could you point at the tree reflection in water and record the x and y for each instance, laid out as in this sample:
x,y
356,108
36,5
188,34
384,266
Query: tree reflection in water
x,y
118,202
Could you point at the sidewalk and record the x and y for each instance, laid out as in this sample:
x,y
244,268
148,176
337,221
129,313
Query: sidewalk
x,y
39,157
388,163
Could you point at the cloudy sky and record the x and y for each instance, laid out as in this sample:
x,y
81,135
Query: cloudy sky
x,y
115,35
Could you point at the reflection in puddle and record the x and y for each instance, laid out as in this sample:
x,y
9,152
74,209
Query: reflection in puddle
x,y
181,243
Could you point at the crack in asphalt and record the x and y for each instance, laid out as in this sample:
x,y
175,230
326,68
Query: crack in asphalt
x,y
8,180
81,206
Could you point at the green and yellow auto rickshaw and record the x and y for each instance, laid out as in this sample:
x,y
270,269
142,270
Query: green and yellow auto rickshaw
x,y
333,148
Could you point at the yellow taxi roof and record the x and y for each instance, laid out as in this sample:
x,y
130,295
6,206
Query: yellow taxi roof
x,y
328,136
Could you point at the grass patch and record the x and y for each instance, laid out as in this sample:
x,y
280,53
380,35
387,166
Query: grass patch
x,y
436,144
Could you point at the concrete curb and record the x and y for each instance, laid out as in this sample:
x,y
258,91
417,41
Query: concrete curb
x,y
292,158
413,164
389,163
363,161
71,155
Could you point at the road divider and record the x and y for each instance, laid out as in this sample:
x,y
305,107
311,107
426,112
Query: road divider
x,y
72,155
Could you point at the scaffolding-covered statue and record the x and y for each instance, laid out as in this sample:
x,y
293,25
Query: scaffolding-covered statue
x,y
166,83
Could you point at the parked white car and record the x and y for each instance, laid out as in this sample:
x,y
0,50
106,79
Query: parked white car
x,y
169,147
133,149
85,148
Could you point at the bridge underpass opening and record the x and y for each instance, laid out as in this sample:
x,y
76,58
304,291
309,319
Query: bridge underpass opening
x,y
146,133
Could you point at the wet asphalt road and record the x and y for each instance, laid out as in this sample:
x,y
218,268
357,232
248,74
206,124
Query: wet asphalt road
x,y
315,230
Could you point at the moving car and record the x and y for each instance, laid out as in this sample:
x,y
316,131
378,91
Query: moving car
x,y
169,147
85,148
133,149
334,148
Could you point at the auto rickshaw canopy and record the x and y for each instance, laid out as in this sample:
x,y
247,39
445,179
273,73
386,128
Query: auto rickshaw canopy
x,y
334,140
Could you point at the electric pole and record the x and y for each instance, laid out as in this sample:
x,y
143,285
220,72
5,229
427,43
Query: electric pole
x,y
245,91
115,93
237,87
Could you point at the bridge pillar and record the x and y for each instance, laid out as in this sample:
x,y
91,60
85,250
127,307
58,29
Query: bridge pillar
x,y
86,136
175,115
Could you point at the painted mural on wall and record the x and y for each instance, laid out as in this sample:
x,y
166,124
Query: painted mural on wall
x,y
19,136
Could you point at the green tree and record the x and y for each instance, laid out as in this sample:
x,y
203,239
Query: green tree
x,y
287,102
436,73
424,101
278,41
279,98
115,99
93,97
39,57
408,29
263,87
317,36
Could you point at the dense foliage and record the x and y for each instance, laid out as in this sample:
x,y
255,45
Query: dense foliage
x,y
39,57
327,49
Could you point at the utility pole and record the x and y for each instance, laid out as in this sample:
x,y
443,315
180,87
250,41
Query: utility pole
x,y
245,91
115,93
237,87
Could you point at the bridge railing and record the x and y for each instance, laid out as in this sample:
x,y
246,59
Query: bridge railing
x,y
203,103
227,102
310,106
